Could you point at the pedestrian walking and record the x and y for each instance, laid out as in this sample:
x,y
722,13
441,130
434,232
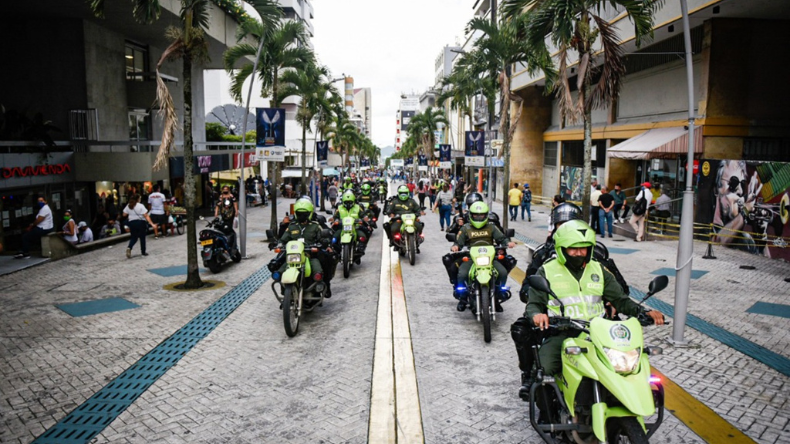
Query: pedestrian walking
x,y
605,211
639,211
156,210
41,226
432,190
444,202
514,201
137,219
526,203
332,194
594,216
421,192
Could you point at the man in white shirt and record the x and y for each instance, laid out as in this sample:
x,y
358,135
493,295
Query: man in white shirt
x,y
41,226
594,207
156,208
85,233
638,221
663,208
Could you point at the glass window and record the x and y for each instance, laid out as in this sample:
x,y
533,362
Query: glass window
x,y
136,61
550,154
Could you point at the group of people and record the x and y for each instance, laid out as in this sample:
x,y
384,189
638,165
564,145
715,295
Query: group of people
x,y
517,198
606,207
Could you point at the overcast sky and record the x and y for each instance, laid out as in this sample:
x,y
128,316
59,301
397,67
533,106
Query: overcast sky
x,y
389,46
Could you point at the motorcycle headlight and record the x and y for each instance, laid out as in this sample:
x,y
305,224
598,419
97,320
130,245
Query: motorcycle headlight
x,y
409,221
483,261
347,227
623,362
294,258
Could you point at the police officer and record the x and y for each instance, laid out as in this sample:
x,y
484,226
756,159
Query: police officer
x,y
462,218
582,283
302,227
350,208
402,205
366,195
479,232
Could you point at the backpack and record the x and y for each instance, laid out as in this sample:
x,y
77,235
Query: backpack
x,y
640,206
527,197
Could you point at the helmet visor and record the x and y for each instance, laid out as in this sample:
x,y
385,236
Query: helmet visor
x,y
479,217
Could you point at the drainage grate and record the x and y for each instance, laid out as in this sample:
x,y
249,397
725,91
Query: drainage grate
x,y
90,418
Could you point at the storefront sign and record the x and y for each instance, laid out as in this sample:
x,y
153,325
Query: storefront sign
x,y
37,170
200,164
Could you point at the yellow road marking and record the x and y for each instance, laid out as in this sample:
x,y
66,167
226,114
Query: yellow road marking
x,y
381,428
698,417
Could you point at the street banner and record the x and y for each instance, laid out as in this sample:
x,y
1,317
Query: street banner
x,y
322,151
445,159
396,163
409,161
423,160
270,134
475,148
405,117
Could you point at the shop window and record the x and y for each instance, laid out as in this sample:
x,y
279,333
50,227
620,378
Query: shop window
x,y
136,61
573,153
776,150
550,154
139,124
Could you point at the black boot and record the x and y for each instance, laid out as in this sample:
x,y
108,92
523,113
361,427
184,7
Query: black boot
x,y
526,382
328,293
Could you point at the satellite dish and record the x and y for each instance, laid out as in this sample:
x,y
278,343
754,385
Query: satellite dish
x,y
232,118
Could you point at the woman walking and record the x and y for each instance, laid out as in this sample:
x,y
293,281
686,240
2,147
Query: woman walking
x,y
137,216
444,201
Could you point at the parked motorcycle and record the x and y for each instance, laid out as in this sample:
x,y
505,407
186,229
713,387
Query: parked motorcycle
x,y
483,291
605,392
298,294
218,243
407,240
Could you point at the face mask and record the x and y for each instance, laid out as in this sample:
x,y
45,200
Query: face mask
x,y
67,218
41,204
302,216
575,262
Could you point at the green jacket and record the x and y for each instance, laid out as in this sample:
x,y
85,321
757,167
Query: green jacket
x,y
488,235
310,231
357,211
397,206
612,292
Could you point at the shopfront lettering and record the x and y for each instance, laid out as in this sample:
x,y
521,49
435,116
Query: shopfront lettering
x,y
37,170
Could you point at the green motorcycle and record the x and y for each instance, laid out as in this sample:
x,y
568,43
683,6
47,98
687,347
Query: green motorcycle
x,y
407,239
348,244
605,392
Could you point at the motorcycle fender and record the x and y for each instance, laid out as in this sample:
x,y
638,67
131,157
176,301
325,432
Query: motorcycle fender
x,y
483,276
632,390
290,276
575,368
601,412
409,229
346,238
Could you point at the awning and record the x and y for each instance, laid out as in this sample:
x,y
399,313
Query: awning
x,y
656,144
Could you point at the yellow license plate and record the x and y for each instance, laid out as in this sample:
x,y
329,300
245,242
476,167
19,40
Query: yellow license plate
x,y
206,242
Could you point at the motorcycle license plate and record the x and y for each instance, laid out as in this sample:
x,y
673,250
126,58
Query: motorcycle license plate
x,y
207,242
347,227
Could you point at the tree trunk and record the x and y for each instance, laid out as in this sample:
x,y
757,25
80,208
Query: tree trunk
x,y
193,273
505,112
587,159
304,158
320,170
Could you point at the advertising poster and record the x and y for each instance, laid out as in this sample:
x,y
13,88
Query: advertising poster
x,y
748,204
445,156
270,134
405,118
571,180
475,148
409,161
396,163
322,151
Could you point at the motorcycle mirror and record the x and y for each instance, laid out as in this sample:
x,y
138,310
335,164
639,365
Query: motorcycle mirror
x,y
327,233
511,232
320,218
270,234
657,284
539,283
450,237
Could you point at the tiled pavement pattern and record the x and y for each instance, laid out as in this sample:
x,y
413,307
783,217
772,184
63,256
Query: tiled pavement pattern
x,y
750,395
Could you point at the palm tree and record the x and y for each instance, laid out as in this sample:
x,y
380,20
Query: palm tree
x,y
313,89
188,43
284,47
424,124
344,136
576,26
325,118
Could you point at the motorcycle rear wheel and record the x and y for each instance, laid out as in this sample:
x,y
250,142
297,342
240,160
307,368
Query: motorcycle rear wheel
x,y
625,431
291,310
412,248
485,311
346,260
179,223
214,265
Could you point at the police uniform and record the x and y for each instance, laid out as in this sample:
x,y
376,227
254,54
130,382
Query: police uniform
x,y
371,201
357,212
311,233
398,207
488,235
584,293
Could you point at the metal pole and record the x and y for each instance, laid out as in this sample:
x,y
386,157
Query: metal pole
x,y
242,187
686,242
491,113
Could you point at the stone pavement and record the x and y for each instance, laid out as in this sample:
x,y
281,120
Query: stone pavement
x,y
247,382
749,394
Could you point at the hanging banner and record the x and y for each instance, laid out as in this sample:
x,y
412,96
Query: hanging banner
x,y
270,134
475,148
445,159
409,161
396,163
423,160
322,151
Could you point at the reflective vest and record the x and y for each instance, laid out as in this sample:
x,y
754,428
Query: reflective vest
x,y
583,299
353,212
479,236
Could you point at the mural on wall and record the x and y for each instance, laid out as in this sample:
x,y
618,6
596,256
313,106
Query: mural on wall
x,y
748,204
571,180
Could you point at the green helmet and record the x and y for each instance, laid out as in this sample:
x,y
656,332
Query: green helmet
x,y
348,199
403,192
573,234
303,209
478,214
365,188
348,178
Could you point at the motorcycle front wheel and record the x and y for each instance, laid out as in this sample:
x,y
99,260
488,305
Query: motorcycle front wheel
x,y
412,248
291,310
485,311
346,260
625,431
179,223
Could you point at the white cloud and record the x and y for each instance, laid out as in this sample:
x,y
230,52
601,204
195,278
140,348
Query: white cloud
x,y
389,46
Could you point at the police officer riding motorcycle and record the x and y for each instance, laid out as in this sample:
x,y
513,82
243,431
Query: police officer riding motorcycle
x,y
368,197
350,208
397,206
462,217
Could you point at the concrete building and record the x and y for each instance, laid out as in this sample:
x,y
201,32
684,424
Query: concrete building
x,y
93,80
740,105
408,107
444,63
363,103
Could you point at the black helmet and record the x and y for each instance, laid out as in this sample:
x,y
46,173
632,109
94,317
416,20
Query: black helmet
x,y
565,212
472,198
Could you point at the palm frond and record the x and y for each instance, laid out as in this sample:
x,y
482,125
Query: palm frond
x,y
613,68
145,11
167,109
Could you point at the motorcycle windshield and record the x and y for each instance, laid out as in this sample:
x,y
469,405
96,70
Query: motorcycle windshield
x,y
294,247
618,335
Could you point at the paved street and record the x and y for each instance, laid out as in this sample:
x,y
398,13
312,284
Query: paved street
x,y
248,382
